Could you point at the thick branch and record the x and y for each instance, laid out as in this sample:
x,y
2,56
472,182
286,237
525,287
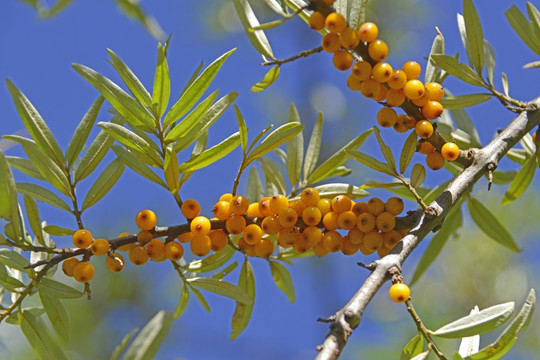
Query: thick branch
x,y
348,318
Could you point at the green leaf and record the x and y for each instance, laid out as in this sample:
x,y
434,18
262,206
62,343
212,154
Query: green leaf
x,y
475,36
220,274
371,162
534,17
119,349
194,92
57,314
452,222
432,69
9,282
147,343
463,101
386,151
422,356
162,84
477,323
207,120
137,165
172,173
133,10
314,146
521,182
413,348
295,149
201,298
33,218
407,152
277,137
242,128
55,9
106,180
470,344
41,194
25,166
221,287
255,190
58,289
489,56
211,155
506,86
39,337
249,20
338,158
131,80
14,260
329,191
9,207
418,175
58,231
211,262
182,302
522,27
283,279
357,14
459,70
35,125
83,131
503,177
273,174
242,313
271,76
490,225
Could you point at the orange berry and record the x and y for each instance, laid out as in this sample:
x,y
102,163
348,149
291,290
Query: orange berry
x,y
355,236
349,38
385,221
271,225
235,224
386,117
432,110
341,203
311,215
375,206
330,43
426,147
354,83
287,236
190,209
264,248
69,265
407,121
239,204
144,237
395,97
222,210
383,251
330,221
342,60
138,255
332,241
155,249
394,205
310,196
365,250
219,239
115,262
83,272
146,220
253,210
373,240
423,100
435,160
100,247
382,72
320,250
450,151
174,250
301,245
381,94
436,91
277,203
225,197
82,238
347,247
368,32
362,70
245,247
370,88
347,220
400,125
412,69
399,292
359,208
298,207
127,247
391,238
200,245
397,79
414,89
316,21
325,205
264,206
335,22
252,234
378,50
313,235
185,237
200,226
365,222
424,129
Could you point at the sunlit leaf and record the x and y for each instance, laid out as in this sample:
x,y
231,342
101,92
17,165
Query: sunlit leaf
x,y
14,260
8,282
371,162
220,274
255,191
39,337
385,149
201,298
272,173
41,194
314,146
432,69
277,137
182,302
137,165
413,348
242,313
147,343
211,262
489,56
329,191
221,287
25,166
407,152
241,128
283,279
475,36
418,175
33,218
211,155
470,344
162,84
295,149
119,349
59,290
521,182
522,27
271,76
104,183
463,101
249,20
56,230
459,70
9,207
172,173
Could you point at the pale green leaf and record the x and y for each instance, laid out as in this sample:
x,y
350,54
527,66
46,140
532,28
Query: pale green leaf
x,y
39,193
413,348
211,262
385,149
25,166
463,101
329,191
295,149
273,174
137,165
407,152
437,48
211,155
249,21
148,341
58,289
242,313
277,137
314,146
459,70
9,207
371,162
475,36
182,302
57,314
201,298
39,337
220,274
241,128
32,214
470,344
221,287
283,279
172,173
521,182
357,13
506,86
271,76
418,175
58,231
255,191
8,282
489,56
522,27
162,84
119,349
104,183
14,260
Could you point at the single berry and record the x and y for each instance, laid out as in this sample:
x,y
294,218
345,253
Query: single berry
x,y
219,239
368,32
310,196
355,236
425,147
347,247
222,210
115,262
349,38
252,234
190,209
225,197
399,292
386,117
287,236
68,266
264,206
287,217
412,70
397,80
424,129
381,94
201,245
436,91
342,60
185,237
332,241
362,70
335,22
253,210
82,238
127,247
144,237
347,220
200,226
382,72
298,206
450,151
423,100
301,245
174,250
330,42
373,240
432,110
316,21
385,221
354,83
325,205
364,249
138,255
239,204
146,220
341,203
271,225
359,208
414,89
365,222
100,247
375,206
311,215
235,224
83,272
435,160
370,88
391,238
277,203
313,235
156,249
378,50
394,205
320,250
264,248
395,97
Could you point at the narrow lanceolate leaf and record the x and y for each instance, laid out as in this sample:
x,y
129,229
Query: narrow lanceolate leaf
x,y
459,70
172,174
8,282
33,218
119,349
106,180
133,142
126,106
162,84
489,56
470,344
211,262
357,14
273,174
338,158
329,191
507,339
413,348
249,20
182,302
314,146
221,287
242,128
534,17
418,175
57,314
39,193
210,117
432,69
82,131
137,165
490,225
58,231
255,191
270,77
211,155
521,182
130,79
506,86
451,224
295,149
242,313
475,36
39,337
35,125
385,149
283,279
9,207
409,148
58,289
201,298
25,166
522,27
477,323
463,101
371,162
277,137
148,341
194,92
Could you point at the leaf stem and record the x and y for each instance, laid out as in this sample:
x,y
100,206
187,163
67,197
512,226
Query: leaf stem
x,y
423,330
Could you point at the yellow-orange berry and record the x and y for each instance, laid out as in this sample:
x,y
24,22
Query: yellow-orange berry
x,y
362,70
301,245
298,206
359,208
235,224
138,255
310,196
222,210
395,97
355,236
82,238
375,206
332,241
155,249
252,234
100,247
341,203
316,21
378,50
412,70
383,251
115,262
311,215
426,147
364,249
347,220
381,94
245,247
200,226
83,272
146,220
253,210
287,217
370,88
144,237
325,205
330,43
225,197
373,240
354,83
190,208
174,250
424,129
320,250
536,139
219,239
435,160
399,292
335,22
391,238
239,204
271,225
264,206
347,247
414,89
436,91
277,203
185,237
287,236
385,221
423,100
394,205
397,79
264,248
127,247
432,110
386,117
450,151
382,72
313,235
342,60
330,221
368,32
349,38
365,222
69,265
200,245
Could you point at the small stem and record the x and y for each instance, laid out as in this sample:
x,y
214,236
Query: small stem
x,y
76,212
423,330
412,190
301,54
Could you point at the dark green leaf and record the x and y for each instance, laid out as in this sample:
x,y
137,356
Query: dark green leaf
x,y
221,287
522,27
182,302
211,262
39,337
432,70
413,348
418,175
242,128
162,84
211,155
273,174
242,313
314,146
32,214
271,76
283,279
475,36
277,137
137,165
295,149
459,70
106,180
463,101
249,20
57,314
521,182
147,343
371,162
9,207
407,152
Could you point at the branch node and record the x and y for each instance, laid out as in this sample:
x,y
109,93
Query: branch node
x,y
329,319
370,267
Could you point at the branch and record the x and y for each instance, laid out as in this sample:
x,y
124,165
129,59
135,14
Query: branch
x,y
348,318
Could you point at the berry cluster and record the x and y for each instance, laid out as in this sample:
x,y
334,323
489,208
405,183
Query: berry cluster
x,y
378,80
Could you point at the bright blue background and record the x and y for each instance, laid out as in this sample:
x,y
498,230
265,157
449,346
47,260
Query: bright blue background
x,y
36,55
